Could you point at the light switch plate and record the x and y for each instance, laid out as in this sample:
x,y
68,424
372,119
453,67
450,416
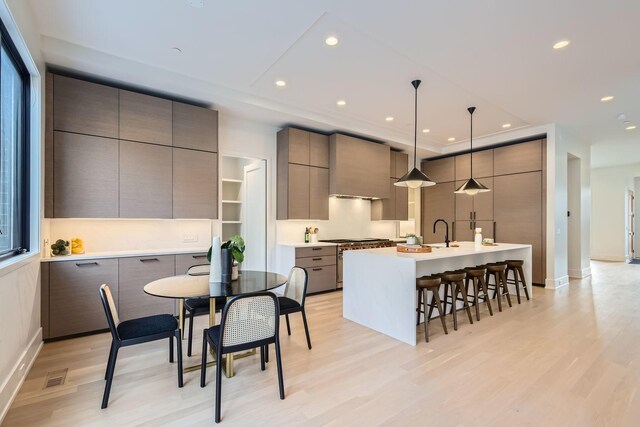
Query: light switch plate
x,y
189,238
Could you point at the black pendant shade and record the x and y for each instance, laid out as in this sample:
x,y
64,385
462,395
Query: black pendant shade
x,y
415,178
471,186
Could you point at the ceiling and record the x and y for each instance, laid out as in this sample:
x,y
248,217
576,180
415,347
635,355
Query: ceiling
x,y
494,54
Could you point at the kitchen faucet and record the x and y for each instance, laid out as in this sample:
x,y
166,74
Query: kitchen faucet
x,y
446,233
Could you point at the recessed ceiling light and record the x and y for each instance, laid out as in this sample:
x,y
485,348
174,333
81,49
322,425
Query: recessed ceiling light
x,y
281,83
341,103
561,44
331,41
506,126
426,130
451,139
606,98
176,49
389,119
630,127
196,3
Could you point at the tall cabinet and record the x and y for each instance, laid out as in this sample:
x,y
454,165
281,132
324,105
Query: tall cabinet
x,y
512,212
396,206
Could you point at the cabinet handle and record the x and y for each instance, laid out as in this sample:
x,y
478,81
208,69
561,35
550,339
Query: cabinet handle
x,y
474,215
148,259
453,230
316,249
82,264
470,216
494,232
198,256
316,259
317,269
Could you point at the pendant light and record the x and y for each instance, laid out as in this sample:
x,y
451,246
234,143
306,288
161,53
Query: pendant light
x,y
415,178
471,187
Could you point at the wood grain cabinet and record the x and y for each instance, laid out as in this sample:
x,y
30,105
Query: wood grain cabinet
x,y
85,176
440,170
74,299
482,165
145,118
518,158
321,265
133,274
145,180
195,184
399,164
438,201
85,107
396,206
195,127
185,261
478,207
302,175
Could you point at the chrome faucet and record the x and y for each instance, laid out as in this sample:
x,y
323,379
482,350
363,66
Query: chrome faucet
x,y
446,233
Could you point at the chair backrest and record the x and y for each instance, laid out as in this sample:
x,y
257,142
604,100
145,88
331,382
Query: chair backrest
x,y
110,310
296,287
250,318
199,270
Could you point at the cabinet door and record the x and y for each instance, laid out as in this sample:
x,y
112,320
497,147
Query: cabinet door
x,y
84,107
441,170
186,261
133,274
464,205
318,193
482,165
195,127
437,202
145,180
463,231
318,150
518,158
321,279
74,297
402,202
298,192
483,202
298,146
195,184
401,165
145,118
85,176
392,164
44,298
518,214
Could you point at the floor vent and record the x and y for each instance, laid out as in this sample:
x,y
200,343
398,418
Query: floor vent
x,y
55,378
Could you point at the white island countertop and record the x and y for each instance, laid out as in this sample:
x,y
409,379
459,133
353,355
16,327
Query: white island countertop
x,y
440,251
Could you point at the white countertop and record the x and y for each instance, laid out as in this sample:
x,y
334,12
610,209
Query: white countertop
x,y
125,254
440,251
307,245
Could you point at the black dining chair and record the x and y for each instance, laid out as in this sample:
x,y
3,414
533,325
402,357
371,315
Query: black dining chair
x,y
198,306
248,321
295,292
136,331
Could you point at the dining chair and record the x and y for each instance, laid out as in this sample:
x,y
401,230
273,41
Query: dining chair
x,y
295,291
248,321
136,331
198,306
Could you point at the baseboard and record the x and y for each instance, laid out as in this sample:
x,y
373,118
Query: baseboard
x,y
580,274
12,384
558,283
608,258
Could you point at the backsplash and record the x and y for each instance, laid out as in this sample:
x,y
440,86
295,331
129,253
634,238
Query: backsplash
x,y
349,218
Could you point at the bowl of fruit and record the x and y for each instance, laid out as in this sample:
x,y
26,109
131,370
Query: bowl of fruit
x,y
61,248
77,246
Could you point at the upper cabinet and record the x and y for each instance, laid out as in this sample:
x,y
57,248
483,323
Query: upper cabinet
x,y
399,164
482,165
358,167
440,170
318,150
145,118
85,107
303,147
518,158
396,206
113,153
195,127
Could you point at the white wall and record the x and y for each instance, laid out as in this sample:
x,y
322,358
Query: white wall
x,y
21,335
608,209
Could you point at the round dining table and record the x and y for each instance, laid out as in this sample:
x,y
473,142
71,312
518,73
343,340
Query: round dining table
x,y
197,285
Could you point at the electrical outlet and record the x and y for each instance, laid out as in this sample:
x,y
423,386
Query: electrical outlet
x,y
189,238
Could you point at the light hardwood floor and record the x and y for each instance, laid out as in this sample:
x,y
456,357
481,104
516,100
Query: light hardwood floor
x,y
566,358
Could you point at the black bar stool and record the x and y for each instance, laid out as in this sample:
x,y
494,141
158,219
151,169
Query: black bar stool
x,y
499,285
475,275
515,266
455,281
423,285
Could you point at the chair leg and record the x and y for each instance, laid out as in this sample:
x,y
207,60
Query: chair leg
x,y
466,301
446,295
306,328
503,277
515,281
454,312
279,366
485,292
110,371
418,309
190,340
476,302
203,367
266,353
426,318
218,384
262,366
106,371
496,290
442,316
286,316
178,337
524,283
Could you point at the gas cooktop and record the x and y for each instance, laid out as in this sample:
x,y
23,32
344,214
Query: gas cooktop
x,y
361,240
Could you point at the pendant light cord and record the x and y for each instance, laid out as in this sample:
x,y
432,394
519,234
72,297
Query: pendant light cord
x,y
415,129
471,110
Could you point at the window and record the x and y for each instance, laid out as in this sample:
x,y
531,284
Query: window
x,y
14,177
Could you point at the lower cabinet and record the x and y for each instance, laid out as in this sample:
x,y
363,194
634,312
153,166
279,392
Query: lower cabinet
x,y
74,299
321,265
185,261
133,274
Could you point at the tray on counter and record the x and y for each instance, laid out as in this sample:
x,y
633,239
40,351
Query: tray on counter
x,y
413,249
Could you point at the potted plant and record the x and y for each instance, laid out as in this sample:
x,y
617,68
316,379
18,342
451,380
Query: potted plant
x,y
236,246
412,239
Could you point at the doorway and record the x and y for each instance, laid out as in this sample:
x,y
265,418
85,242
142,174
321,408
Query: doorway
x,y
631,253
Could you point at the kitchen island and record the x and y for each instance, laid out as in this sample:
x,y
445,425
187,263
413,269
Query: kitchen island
x,y
379,289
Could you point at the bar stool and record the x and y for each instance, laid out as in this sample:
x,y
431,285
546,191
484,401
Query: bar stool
x,y
499,286
455,281
423,285
476,275
515,266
